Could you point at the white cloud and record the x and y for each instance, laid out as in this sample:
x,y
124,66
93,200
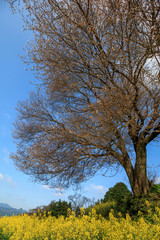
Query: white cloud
x,y
99,188
10,181
46,187
59,194
1,176
152,72
157,180
5,151
59,189
21,199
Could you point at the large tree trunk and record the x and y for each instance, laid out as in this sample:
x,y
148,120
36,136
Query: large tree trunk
x,y
138,175
140,180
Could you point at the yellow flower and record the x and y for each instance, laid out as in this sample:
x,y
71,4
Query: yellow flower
x,y
147,203
85,227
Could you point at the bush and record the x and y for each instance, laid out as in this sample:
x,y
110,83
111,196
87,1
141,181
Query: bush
x,y
56,209
142,204
102,209
155,189
122,200
116,193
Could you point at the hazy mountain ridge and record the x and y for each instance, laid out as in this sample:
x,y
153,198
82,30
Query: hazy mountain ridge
x,y
6,209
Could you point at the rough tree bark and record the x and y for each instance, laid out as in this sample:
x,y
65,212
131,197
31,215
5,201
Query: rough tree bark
x,y
140,184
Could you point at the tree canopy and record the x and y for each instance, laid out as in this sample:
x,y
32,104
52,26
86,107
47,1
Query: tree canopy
x,y
58,208
98,100
116,193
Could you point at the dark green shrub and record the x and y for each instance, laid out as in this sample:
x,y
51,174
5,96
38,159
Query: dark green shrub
x,y
58,208
155,189
54,209
134,205
144,205
120,199
116,193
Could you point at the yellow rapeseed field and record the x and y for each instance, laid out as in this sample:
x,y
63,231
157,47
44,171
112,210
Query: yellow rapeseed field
x,y
84,227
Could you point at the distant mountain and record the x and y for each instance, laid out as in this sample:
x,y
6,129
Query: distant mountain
x,y
6,209
4,205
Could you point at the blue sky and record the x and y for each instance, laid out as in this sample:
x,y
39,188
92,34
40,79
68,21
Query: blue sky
x,y
17,189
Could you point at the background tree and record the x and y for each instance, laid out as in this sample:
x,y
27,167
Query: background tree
x,y
58,208
98,101
78,201
116,193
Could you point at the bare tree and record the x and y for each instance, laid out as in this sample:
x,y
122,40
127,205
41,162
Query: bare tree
x,y
78,201
98,103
